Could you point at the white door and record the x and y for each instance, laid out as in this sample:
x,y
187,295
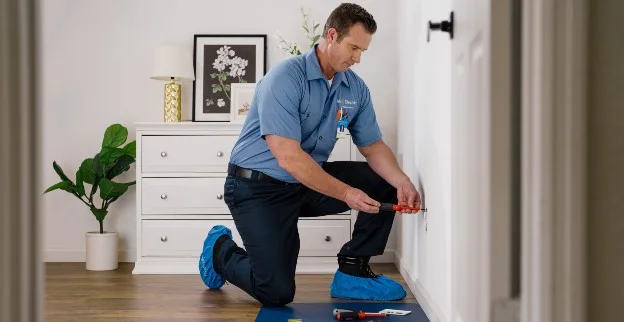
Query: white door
x,y
480,256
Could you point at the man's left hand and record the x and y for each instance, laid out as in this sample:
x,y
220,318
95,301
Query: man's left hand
x,y
408,195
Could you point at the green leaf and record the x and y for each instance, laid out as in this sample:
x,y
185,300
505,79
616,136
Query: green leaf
x,y
110,189
79,184
213,75
132,183
315,26
86,169
306,29
60,172
97,170
122,165
99,214
316,38
115,136
109,156
64,185
130,149
227,87
214,89
222,77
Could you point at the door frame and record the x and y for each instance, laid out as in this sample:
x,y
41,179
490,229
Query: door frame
x,y
554,52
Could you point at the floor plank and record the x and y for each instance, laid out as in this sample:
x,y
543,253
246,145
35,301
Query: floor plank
x,y
75,294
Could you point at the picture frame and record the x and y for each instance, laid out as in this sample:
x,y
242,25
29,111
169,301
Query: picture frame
x,y
242,95
219,61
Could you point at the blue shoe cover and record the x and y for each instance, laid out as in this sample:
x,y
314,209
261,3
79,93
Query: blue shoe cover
x,y
379,288
206,268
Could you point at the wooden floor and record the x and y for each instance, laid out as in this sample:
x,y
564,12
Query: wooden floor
x,y
74,294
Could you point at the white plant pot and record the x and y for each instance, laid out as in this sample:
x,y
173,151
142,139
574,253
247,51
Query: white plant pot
x,y
102,251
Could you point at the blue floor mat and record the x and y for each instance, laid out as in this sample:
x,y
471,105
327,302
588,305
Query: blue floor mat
x,y
322,312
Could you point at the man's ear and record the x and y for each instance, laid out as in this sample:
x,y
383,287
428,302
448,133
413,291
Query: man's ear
x,y
332,34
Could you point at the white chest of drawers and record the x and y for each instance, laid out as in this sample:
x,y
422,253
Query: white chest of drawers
x,y
180,171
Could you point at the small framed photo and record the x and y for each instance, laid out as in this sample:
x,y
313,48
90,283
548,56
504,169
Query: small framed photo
x,y
221,61
242,94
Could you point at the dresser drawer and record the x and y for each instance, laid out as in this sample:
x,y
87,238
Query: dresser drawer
x,y
185,238
341,151
323,237
186,153
163,196
179,238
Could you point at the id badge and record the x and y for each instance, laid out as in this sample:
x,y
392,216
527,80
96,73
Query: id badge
x,y
341,129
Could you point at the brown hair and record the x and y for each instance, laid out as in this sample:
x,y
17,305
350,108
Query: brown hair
x,y
347,15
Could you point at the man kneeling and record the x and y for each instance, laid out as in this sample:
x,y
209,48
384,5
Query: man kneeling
x,y
278,172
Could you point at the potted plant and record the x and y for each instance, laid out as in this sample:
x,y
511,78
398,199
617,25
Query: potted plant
x,y
99,172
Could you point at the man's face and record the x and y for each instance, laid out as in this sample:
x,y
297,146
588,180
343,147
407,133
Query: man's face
x,y
348,51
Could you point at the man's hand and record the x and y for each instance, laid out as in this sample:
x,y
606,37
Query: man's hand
x,y
359,200
408,195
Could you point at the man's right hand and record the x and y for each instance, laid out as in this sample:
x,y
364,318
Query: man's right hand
x,y
359,200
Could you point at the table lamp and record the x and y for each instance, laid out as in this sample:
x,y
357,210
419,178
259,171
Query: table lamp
x,y
171,64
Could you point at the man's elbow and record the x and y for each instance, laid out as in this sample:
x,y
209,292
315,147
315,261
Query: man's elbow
x,y
284,152
285,161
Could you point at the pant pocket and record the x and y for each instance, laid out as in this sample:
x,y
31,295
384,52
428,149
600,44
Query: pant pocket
x,y
228,192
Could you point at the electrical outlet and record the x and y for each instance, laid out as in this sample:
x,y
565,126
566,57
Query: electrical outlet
x,y
423,204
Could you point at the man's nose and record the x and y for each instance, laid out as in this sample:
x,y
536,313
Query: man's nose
x,y
356,57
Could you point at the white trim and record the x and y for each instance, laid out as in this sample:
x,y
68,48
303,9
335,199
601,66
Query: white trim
x,y
554,44
79,255
305,265
433,312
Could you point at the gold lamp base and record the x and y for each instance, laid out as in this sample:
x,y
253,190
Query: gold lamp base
x,y
173,102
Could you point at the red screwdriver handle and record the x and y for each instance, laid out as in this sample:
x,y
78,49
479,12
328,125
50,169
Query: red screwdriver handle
x,y
391,207
350,316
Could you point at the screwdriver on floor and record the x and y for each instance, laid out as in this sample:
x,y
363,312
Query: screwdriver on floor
x,y
350,315
391,207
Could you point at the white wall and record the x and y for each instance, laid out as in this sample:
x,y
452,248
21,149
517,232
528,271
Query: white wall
x,y
94,58
424,144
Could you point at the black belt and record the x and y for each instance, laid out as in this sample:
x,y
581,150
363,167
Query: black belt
x,y
254,175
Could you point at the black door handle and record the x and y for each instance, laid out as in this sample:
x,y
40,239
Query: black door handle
x,y
445,26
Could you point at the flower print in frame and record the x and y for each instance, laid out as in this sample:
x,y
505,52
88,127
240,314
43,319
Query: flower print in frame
x,y
220,61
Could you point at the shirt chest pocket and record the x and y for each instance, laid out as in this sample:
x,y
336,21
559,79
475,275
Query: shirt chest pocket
x,y
310,116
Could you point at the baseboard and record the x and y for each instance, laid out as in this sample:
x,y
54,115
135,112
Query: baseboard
x,y
432,311
79,255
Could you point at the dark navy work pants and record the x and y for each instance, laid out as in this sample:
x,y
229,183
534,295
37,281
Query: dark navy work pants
x,y
266,215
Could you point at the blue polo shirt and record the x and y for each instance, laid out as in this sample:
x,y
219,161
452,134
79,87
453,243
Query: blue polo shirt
x,y
295,100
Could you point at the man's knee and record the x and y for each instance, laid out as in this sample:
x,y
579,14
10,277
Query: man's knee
x,y
276,294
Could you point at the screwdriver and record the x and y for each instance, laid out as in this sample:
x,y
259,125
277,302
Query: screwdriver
x,y
391,207
349,315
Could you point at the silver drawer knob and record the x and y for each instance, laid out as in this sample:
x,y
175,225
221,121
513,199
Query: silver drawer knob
x,y
219,196
163,154
327,238
163,239
163,196
219,154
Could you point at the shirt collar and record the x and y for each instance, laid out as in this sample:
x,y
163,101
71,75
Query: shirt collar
x,y
313,68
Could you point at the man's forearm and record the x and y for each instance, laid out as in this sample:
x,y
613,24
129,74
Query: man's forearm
x,y
381,159
303,168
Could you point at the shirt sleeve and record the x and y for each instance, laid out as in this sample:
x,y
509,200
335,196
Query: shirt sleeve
x,y
279,97
363,128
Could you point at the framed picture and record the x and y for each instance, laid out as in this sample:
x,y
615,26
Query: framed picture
x,y
220,61
242,94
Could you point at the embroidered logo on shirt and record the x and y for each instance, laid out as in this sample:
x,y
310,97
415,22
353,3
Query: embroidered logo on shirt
x,y
346,102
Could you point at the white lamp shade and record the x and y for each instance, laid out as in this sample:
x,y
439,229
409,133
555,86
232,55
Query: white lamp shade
x,y
173,62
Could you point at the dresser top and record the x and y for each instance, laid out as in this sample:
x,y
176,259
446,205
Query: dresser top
x,y
187,126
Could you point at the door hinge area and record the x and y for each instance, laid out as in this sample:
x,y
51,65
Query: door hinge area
x,y
506,310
